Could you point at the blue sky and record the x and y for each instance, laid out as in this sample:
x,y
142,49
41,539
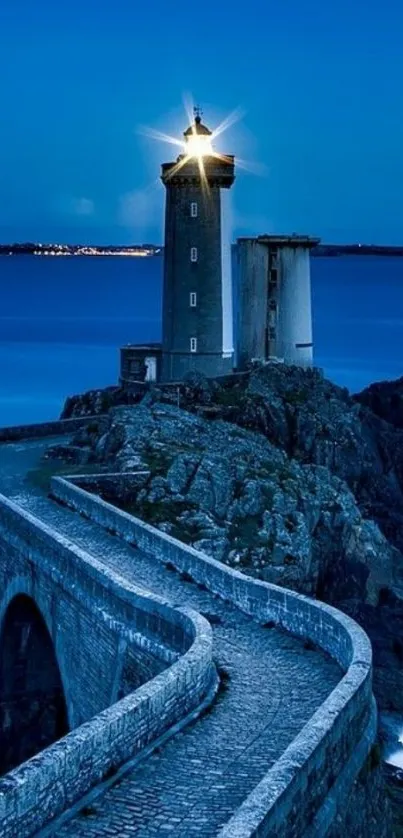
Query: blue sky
x,y
321,84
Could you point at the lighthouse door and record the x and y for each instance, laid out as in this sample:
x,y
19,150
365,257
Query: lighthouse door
x,y
151,368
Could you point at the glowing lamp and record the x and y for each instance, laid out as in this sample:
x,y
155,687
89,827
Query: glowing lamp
x,y
198,138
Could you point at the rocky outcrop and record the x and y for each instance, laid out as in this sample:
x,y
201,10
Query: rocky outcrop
x,y
282,474
96,402
385,399
244,501
316,422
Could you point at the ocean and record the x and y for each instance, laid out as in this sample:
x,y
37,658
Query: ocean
x,y
62,321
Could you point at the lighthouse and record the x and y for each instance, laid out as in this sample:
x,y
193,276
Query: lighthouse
x,y
218,315
197,309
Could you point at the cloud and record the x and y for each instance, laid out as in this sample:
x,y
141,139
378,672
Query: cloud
x,y
82,206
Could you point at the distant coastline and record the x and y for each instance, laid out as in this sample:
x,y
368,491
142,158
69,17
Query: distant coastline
x,y
39,249
357,250
143,250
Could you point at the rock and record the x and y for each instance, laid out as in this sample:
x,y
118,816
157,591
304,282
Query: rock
x,y
251,501
181,471
96,402
165,526
292,481
385,399
217,547
158,489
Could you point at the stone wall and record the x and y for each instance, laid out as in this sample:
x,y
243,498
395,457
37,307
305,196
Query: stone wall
x,y
93,620
300,792
59,427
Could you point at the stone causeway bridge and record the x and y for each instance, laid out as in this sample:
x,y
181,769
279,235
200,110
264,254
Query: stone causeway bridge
x,y
157,692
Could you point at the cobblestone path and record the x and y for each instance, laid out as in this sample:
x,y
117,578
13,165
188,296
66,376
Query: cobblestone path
x,y
194,783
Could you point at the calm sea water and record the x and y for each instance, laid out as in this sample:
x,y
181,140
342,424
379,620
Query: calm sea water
x,y
62,322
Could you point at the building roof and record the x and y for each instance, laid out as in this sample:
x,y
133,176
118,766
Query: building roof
x,y
273,240
197,128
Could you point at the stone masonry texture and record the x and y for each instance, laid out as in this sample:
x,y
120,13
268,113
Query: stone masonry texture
x,y
273,683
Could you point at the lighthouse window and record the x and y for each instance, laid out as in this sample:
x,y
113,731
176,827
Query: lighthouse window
x,y
193,209
193,254
193,344
193,299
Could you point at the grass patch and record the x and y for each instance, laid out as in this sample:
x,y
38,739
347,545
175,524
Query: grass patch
x,y
157,461
153,512
244,532
160,512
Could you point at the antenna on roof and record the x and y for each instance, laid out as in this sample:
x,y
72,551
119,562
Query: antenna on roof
x,y
198,113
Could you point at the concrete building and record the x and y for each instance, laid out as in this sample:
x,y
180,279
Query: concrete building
x,y
195,305
272,296
140,363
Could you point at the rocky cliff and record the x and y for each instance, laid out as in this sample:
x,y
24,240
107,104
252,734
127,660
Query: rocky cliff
x,y
385,398
279,473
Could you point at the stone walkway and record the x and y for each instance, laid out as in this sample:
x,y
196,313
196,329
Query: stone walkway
x,y
193,784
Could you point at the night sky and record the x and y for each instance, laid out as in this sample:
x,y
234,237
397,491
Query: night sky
x,y
320,83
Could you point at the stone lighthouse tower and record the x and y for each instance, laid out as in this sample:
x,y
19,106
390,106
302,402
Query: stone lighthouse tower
x,y
196,335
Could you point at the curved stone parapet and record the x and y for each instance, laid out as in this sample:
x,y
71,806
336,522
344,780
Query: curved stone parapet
x,y
50,782
307,787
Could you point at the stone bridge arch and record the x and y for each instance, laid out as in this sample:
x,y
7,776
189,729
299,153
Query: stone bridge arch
x,y
33,706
